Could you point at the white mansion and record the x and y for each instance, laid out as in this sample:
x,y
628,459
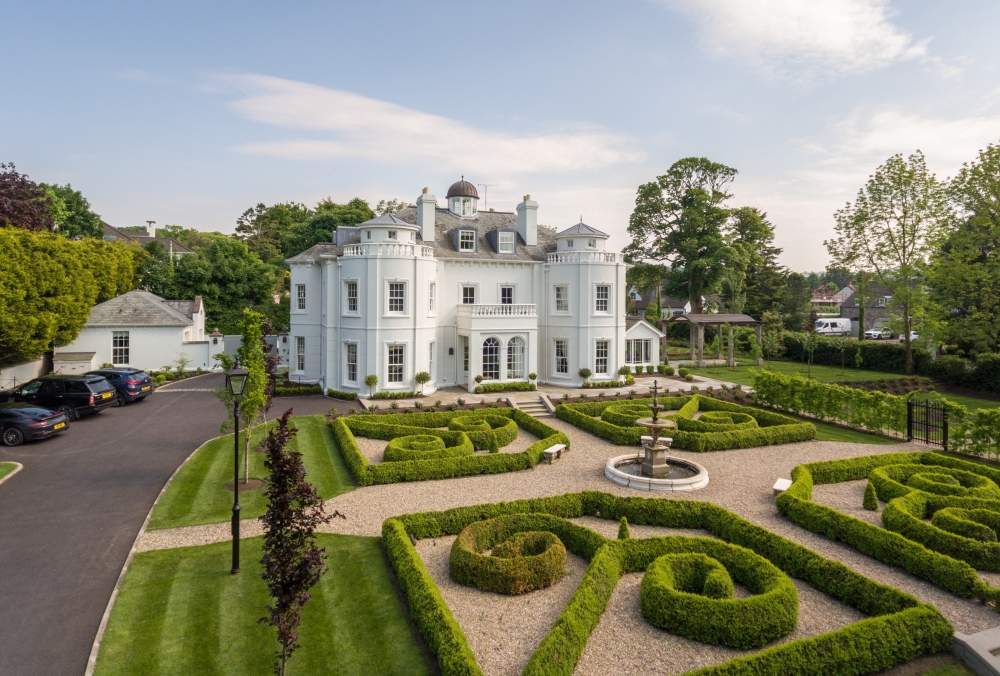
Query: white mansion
x,y
458,292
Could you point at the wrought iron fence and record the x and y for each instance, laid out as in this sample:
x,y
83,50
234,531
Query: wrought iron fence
x,y
927,421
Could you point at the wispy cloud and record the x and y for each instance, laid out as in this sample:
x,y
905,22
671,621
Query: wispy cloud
x,y
802,39
348,125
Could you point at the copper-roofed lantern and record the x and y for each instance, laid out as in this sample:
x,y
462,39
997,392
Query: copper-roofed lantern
x,y
463,199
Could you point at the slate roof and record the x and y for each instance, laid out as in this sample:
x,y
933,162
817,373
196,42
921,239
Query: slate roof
x,y
582,228
142,308
112,233
387,219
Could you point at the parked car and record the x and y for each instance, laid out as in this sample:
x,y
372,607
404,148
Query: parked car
x,y
879,333
130,384
20,422
72,396
836,326
913,337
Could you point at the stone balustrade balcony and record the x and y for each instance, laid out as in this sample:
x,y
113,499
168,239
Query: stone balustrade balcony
x,y
388,250
498,316
584,257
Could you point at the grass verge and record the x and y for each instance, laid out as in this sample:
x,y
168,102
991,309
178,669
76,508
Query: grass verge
x,y
198,493
824,374
181,612
6,468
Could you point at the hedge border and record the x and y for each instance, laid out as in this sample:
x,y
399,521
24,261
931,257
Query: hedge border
x,y
390,426
454,445
516,386
900,627
883,544
773,428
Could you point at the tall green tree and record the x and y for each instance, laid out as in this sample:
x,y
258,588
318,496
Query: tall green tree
x,y
678,221
72,213
889,231
229,278
327,217
765,281
265,229
796,305
965,270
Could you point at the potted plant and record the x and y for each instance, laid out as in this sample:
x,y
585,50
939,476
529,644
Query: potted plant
x,y
532,377
624,371
422,378
585,373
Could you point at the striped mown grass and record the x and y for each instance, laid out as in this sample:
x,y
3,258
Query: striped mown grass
x,y
198,493
181,612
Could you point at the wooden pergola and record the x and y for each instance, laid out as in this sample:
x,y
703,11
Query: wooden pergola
x,y
698,323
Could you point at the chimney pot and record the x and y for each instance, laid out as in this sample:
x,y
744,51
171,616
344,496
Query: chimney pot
x,y
426,191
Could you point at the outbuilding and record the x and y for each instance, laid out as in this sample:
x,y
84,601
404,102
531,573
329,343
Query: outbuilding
x,y
642,343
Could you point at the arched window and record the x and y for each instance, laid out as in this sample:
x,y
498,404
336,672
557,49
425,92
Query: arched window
x,y
515,358
491,359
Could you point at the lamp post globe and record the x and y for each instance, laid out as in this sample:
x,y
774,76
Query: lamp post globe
x,y
236,380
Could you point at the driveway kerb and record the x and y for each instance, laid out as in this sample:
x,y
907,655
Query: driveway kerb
x,y
17,468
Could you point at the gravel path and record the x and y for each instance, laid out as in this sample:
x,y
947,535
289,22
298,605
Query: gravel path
x,y
741,481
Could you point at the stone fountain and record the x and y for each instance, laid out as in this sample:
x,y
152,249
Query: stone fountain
x,y
654,470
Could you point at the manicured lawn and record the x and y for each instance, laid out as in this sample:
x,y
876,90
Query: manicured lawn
x,y
825,374
970,403
181,612
826,432
6,468
198,493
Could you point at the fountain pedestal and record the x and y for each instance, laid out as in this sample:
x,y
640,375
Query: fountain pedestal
x,y
655,464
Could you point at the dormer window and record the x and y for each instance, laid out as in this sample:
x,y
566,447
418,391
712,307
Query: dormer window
x,y
467,240
392,234
463,206
506,242
569,244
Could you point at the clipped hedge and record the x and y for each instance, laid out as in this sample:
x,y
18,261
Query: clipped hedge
x,y
421,446
505,387
689,592
391,426
390,394
771,428
341,394
526,554
488,430
297,391
884,544
889,357
900,627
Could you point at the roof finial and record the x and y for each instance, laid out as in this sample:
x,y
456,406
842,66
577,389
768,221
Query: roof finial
x,y
581,218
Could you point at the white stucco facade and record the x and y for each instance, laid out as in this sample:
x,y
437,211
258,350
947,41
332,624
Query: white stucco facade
x,y
456,292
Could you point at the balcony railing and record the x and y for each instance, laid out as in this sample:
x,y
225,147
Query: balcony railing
x,y
583,257
498,310
388,249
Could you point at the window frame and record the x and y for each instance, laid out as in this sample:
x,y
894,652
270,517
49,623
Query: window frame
x,y
569,244
519,360
496,345
501,244
119,350
348,283
431,298
462,295
348,345
430,359
598,342
462,241
393,235
511,289
300,297
388,291
300,354
597,299
562,361
391,369
555,300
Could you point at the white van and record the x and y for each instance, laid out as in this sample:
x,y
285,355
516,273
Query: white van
x,y
838,326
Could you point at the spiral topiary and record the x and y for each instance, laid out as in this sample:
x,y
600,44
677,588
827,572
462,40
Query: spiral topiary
x,y
488,431
521,559
425,447
691,594
625,414
718,421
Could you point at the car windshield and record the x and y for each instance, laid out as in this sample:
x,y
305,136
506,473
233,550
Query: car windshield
x,y
820,325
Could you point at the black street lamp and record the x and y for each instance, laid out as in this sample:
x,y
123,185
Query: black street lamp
x,y
236,380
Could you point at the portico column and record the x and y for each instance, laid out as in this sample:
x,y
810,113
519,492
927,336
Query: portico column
x,y
701,345
692,340
760,348
730,361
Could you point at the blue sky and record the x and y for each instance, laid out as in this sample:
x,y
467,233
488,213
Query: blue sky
x,y
189,113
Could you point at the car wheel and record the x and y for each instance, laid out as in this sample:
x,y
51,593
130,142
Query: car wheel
x,y
12,436
68,411
119,399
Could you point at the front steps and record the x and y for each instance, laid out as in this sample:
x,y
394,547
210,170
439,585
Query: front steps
x,y
534,406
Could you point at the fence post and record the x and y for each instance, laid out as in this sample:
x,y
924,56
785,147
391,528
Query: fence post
x,y
909,420
944,425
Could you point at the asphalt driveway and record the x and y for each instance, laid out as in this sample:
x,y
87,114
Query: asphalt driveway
x,y
68,519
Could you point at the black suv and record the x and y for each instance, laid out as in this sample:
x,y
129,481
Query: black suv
x,y
20,422
72,396
130,384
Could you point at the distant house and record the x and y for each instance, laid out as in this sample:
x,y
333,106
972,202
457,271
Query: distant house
x,y
670,306
823,297
878,308
142,330
172,246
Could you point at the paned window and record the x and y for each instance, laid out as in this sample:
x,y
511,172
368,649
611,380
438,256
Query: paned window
x,y
300,353
601,354
395,374
300,296
467,240
352,362
465,362
397,296
506,295
562,356
569,244
592,243
119,347
430,361
562,299
515,358
603,294
638,351
506,242
430,296
392,234
352,296
368,234
468,295
491,359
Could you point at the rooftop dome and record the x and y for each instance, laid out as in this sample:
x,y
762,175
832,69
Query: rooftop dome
x,y
462,189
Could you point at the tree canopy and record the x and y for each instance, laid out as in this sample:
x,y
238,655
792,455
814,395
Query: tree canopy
x,y
72,214
23,203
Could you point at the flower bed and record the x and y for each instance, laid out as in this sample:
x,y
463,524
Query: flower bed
x,y
899,628
616,418
503,424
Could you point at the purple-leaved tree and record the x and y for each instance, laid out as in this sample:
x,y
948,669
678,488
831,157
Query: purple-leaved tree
x,y
292,561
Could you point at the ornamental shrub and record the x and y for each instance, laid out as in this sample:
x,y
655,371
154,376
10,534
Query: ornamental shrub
x,y
427,447
390,394
649,368
516,386
871,498
689,378
340,394
638,369
669,370
661,368
624,533
683,372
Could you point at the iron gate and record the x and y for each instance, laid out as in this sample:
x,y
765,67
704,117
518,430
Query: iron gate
x,y
927,421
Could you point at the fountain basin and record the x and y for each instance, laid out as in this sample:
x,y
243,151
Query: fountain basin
x,y
684,476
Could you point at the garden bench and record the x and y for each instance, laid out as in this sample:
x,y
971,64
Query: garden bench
x,y
553,452
782,485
